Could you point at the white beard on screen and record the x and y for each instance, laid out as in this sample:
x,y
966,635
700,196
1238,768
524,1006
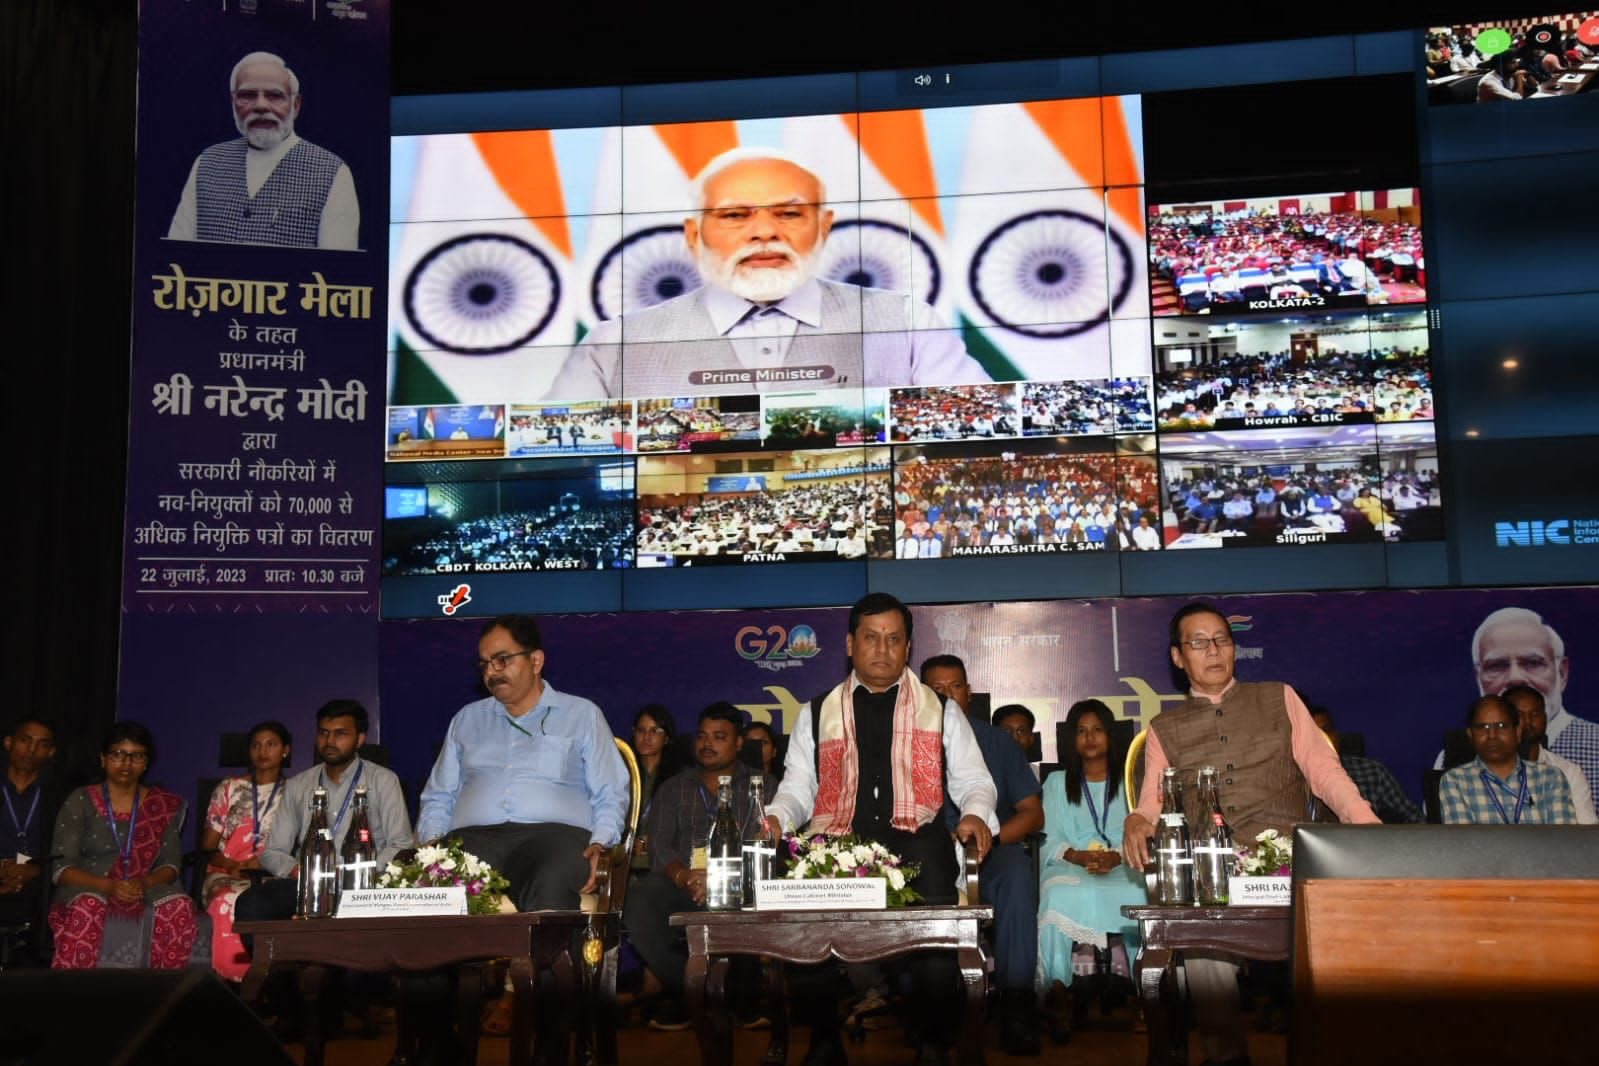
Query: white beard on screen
x,y
760,285
261,137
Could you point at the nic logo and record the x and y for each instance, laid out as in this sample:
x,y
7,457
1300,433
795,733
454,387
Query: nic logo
x,y
1532,533
1240,623
776,648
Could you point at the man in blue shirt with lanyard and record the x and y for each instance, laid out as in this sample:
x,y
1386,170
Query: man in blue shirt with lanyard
x,y
340,731
529,779
31,802
1498,787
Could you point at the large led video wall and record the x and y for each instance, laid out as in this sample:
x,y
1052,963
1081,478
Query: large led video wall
x,y
910,335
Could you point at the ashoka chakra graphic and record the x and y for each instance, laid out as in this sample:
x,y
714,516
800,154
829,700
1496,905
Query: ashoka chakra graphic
x,y
643,269
482,293
1047,273
882,255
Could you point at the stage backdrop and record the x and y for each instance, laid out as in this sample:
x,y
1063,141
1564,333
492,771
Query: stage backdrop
x,y
253,496
1396,666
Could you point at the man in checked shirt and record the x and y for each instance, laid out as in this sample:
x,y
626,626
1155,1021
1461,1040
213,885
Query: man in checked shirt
x,y
1375,781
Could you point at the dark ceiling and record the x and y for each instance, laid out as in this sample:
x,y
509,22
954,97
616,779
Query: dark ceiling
x,y
477,45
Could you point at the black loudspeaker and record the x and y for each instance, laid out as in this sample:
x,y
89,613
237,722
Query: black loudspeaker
x,y
129,1018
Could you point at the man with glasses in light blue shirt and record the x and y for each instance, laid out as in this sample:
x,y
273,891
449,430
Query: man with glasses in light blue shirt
x,y
528,779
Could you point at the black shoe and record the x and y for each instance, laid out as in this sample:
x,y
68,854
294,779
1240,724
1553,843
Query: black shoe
x,y
1018,1034
932,1053
825,1050
669,1017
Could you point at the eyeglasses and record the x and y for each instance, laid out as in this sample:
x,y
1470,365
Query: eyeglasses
x,y
247,96
1201,643
122,755
649,730
498,661
1485,729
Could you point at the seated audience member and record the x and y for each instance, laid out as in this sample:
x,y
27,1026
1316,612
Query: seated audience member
x,y
653,750
1018,723
850,767
1503,81
1529,706
1498,787
680,821
237,822
543,822
32,800
1146,538
340,731
1375,781
1007,874
771,768
1083,882
117,897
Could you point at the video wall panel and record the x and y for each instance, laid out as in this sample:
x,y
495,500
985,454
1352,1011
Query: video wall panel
x,y
895,336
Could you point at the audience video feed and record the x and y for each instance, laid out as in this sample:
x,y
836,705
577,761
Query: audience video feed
x,y
461,431
1025,497
1086,408
1540,58
570,429
512,515
1300,485
818,419
697,423
764,507
954,412
1305,370
1290,253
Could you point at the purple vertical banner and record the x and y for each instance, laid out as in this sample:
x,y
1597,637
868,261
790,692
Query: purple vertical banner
x,y
254,492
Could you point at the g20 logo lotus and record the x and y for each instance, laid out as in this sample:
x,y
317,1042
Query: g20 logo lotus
x,y
776,648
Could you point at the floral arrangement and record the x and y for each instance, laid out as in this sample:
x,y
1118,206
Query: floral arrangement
x,y
852,856
1272,856
446,864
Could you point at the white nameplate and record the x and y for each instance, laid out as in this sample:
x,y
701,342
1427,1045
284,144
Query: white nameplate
x,y
1260,891
401,902
822,894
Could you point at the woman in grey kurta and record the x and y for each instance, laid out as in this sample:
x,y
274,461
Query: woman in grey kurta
x,y
117,900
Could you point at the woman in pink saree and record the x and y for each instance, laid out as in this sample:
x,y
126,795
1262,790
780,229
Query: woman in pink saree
x,y
237,822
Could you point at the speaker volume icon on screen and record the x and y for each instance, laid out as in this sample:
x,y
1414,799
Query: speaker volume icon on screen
x,y
451,602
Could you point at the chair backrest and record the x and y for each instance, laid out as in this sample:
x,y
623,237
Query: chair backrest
x,y
1457,748
610,890
1133,768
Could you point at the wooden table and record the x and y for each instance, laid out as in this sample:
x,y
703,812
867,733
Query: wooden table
x,y
532,941
816,936
1250,932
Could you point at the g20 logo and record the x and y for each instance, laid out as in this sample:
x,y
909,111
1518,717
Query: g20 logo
x,y
775,648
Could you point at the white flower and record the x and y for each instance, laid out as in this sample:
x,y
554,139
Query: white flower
x,y
429,855
392,870
896,880
862,855
801,869
1265,835
446,863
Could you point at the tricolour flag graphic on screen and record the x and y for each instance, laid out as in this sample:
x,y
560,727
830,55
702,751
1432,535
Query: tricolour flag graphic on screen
x,y
1043,272
648,262
893,237
480,299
